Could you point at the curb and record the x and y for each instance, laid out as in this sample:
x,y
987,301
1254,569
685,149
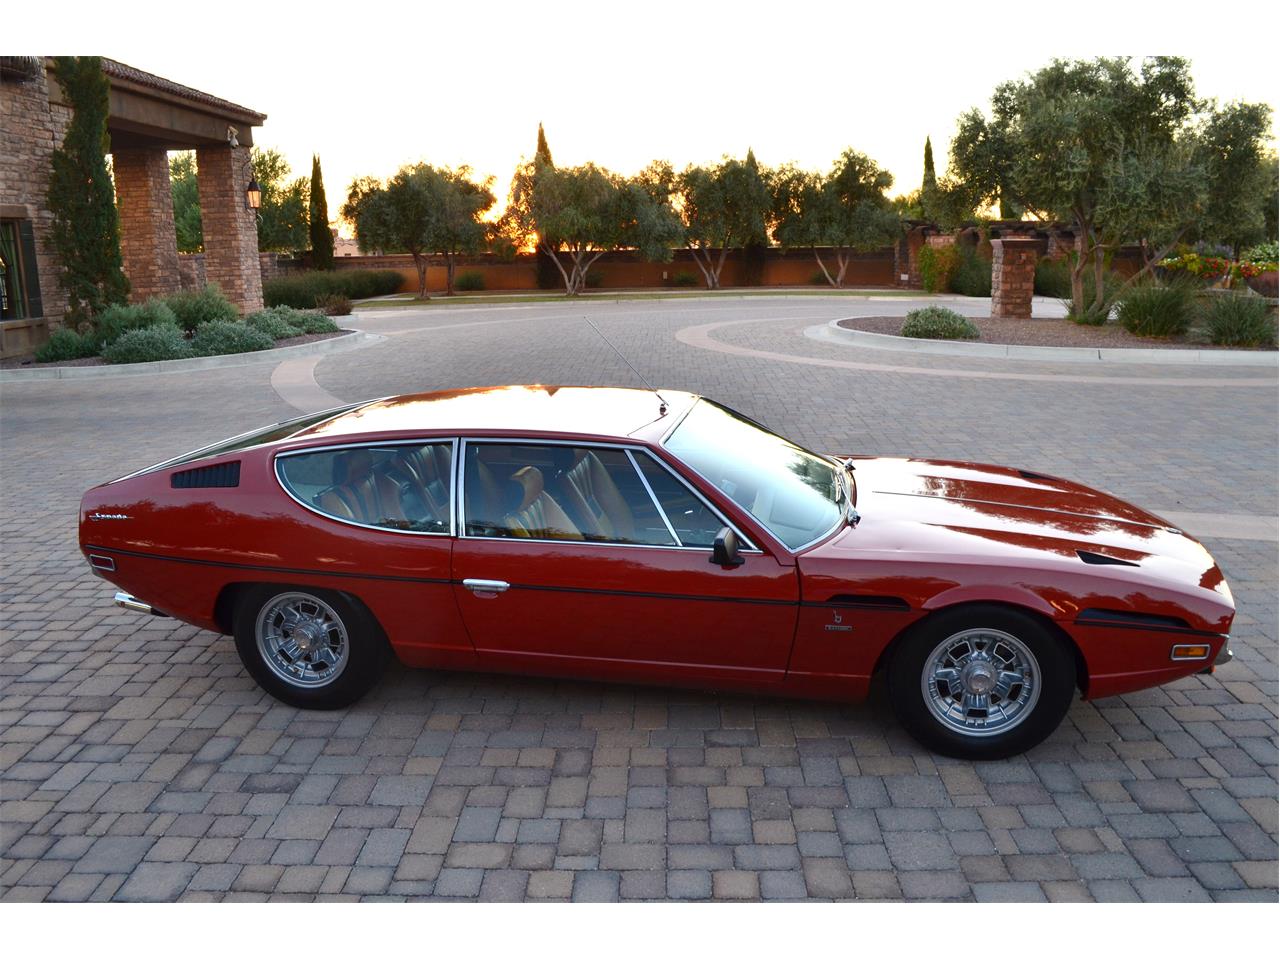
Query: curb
x,y
832,332
347,341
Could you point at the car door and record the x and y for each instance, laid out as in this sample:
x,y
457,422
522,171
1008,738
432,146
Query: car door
x,y
567,563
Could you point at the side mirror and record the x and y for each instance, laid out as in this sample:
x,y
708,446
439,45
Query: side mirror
x,y
724,549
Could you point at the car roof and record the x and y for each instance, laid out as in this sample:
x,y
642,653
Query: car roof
x,y
535,408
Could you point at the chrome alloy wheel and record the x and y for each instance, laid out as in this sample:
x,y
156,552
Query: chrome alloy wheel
x,y
981,683
302,640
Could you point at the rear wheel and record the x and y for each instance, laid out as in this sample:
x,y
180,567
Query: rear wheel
x,y
981,683
310,648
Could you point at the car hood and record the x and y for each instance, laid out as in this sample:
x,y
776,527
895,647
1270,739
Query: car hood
x,y
989,514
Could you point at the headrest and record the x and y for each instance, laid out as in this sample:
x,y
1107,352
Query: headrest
x,y
525,488
351,465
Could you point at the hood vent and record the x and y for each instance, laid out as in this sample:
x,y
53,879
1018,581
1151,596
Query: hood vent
x,y
1101,560
1030,475
218,475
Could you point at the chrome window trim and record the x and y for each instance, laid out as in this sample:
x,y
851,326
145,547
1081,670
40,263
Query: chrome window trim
x,y
654,498
746,544
421,442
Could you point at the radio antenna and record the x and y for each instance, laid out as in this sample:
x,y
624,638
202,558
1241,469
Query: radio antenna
x,y
662,403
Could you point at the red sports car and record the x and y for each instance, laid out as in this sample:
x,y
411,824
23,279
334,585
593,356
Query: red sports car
x,y
657,537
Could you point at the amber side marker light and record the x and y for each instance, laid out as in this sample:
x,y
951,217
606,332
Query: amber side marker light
x,y
1189,651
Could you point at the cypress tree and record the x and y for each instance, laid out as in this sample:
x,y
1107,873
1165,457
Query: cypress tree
x,y
929,186
86,225
548,275
321,238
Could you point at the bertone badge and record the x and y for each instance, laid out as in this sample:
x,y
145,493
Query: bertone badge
x,y
836,626
109,516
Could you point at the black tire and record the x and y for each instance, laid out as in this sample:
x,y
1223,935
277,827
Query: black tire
x,y
366,648
1051,660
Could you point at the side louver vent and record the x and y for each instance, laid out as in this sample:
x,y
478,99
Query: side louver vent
x,y
219,475
1100,560
1032,475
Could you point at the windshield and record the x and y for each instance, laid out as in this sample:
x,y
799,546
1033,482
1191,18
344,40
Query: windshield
x,y
797,495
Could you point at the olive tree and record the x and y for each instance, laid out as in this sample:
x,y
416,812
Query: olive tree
x,y
422,211
1122,154
845,211
722,207
589,211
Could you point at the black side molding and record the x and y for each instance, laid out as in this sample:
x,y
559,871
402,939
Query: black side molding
x,y
866,600
1127,618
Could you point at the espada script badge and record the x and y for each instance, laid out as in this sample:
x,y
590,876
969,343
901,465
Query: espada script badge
x,y
836,625
109,516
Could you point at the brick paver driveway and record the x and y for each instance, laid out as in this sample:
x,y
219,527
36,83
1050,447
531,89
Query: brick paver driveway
x,y
140,762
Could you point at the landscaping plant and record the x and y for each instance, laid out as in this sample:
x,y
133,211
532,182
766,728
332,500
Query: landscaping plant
x,y
938,323
1156,309
162,342
304,290
65,344
196,307
972,275
470,280
1238,320
120,318
274,323
220,337
937,267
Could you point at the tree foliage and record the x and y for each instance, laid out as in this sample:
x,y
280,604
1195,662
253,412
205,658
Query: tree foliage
x,y
589,211
1122,154
929,184
845,211
86,226
318,220
722,207
282,218
423,211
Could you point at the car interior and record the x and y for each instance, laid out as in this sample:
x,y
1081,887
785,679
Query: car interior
x,y
401,487
559,492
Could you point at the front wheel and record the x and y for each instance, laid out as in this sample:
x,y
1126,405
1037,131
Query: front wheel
x,y
981,683
310,648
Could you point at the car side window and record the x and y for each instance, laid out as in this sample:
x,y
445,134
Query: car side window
x,y
693,522
399,487
558,492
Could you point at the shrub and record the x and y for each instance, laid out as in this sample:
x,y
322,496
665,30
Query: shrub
x,y
317,323
972,276
274,324
1262,253
686,279
937,265
304,290
65,344
819,279
334,305
938,323
161,342
1094,316
470,280
117,319
216,338
594,278
194,307
1156,310
1053,279
1238,320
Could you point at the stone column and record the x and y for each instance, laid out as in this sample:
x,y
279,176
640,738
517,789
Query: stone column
x,y
148,242
230,228
1013,276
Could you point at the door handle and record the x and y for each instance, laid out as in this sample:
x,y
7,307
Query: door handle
x,y
486,588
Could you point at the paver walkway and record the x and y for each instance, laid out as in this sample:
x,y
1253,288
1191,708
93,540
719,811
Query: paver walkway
x,y
139,762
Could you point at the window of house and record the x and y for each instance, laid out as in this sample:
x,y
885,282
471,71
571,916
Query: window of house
x,y
19,285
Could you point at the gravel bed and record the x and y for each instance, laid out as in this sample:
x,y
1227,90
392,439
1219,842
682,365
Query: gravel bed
x,y
1042,332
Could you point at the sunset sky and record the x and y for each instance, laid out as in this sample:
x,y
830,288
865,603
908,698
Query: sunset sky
x,y
373,86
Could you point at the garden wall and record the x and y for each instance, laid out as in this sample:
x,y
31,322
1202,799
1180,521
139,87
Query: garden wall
x,y
622,270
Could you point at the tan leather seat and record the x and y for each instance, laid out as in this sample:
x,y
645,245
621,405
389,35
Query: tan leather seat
x,y
534,512
594,500
356,493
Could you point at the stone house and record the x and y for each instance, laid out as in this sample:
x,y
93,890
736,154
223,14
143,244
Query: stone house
x,y
148,116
